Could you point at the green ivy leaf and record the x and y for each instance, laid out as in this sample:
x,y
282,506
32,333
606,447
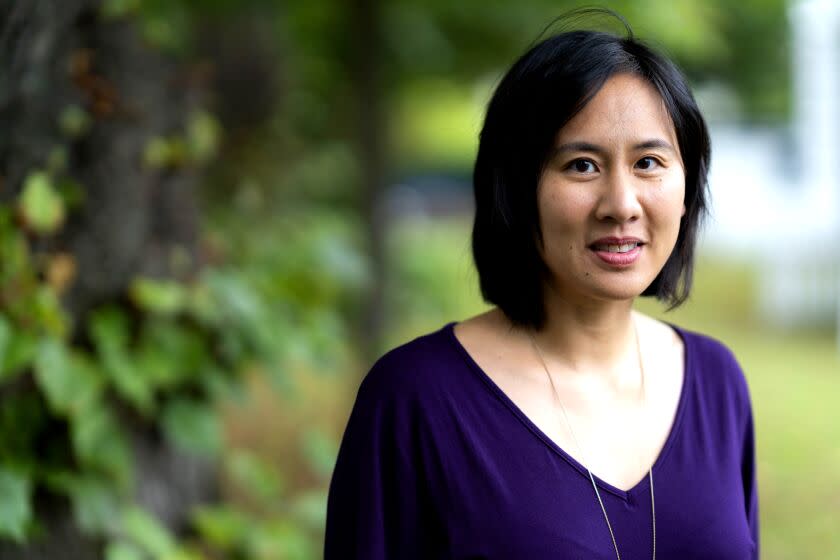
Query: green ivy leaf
x,y
5,341
281,538
147,532
72,192
19,352
222,526
221,384
96,503
40,204
162,152
99,441
156,154
48,311
193,426
170,353
203,132
74,121
69,381
255,476
122,550
109,331
15,504
14,254
158,296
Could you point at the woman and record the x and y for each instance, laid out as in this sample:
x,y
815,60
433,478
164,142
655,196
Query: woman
x,y
562,423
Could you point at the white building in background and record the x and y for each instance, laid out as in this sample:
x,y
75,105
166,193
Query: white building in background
x,y
776,197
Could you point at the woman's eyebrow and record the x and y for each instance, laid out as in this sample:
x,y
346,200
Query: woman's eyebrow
x,y
580,147
600,150
655,143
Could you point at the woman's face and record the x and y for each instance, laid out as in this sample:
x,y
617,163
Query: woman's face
x,y
610,199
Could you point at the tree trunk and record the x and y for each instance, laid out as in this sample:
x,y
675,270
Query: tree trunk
x,y
366,73
133,220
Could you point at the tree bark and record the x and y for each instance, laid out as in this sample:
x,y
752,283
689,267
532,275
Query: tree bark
x,y
367,67
133,220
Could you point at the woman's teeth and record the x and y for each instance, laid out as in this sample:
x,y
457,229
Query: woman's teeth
x,y
617,248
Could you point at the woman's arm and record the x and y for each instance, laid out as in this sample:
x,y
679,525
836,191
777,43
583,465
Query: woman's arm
x,y
748,474
377,506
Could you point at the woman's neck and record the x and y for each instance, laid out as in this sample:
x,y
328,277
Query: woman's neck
x,y
598,338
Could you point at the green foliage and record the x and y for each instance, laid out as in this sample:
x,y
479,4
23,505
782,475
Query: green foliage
x,y
40,204
203,136
116,9
123,551
197,145
96,504
147,532
100,443
109,332
74,121
192,425
163,297
70,383
15,507
320,452
255,477
165,355
240,535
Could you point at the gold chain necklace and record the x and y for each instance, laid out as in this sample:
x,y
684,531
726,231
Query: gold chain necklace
x,y
574,437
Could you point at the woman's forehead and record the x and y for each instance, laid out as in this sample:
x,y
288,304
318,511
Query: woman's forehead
x,y
627,108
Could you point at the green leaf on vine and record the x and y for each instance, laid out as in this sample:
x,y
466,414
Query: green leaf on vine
x,y
19,352
74,121
170,353
166,297
255,476
223,526
99,441
148,533
122,550
96,503
203,132
69,381
48,311
15,505
5,342
40,204
192,425
109,330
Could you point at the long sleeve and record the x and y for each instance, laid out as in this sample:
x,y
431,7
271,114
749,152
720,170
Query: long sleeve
x,y
377,507
749,476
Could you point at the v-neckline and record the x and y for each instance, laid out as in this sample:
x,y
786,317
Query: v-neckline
x,y
626,495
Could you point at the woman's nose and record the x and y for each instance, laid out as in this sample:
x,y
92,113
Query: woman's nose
x,y
619,201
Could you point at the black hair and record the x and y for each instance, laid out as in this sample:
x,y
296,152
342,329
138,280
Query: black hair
x,y
540,93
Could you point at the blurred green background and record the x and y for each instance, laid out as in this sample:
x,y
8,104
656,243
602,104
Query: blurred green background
x,y
314,166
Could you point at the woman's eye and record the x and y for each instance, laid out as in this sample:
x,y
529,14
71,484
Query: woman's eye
x,y
582,166
647,163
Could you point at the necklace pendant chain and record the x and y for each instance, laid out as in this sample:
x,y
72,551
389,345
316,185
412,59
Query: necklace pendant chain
x,y
577,443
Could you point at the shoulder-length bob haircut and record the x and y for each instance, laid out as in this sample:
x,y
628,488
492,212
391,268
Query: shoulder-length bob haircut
x,y
543,90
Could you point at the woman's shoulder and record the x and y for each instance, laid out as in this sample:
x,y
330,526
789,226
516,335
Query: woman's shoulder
x,y
414,367
714,366
707,350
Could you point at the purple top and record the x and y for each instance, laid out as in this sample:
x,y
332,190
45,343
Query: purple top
x,y
437,462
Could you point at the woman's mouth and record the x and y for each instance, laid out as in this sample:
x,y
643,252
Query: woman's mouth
x,y
617,253
613,248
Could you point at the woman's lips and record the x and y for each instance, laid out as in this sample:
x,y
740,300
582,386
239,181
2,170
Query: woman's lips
x,y
619,259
